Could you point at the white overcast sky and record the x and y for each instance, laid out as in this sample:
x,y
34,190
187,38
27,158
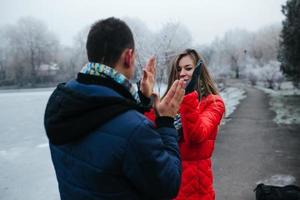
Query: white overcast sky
x,y
205,19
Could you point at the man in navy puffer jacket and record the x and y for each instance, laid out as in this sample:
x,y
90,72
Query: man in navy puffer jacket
x,y
101,144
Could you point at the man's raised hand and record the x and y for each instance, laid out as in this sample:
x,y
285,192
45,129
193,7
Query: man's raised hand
x,y
148,78
169,105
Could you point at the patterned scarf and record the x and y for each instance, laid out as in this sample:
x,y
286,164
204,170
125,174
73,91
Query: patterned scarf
x,y
177,122
98,69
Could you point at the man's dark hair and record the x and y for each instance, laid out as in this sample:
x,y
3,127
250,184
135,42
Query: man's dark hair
x,y
107,39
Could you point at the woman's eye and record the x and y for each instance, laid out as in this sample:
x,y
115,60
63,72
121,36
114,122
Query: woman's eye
x,y
178,69
189,68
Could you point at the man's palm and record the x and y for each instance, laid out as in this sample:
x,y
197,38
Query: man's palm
x,y
148,78
169,105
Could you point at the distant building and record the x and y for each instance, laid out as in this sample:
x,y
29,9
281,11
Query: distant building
x,y
48,69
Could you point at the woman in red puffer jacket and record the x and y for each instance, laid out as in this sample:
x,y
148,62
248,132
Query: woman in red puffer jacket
x,y
197,122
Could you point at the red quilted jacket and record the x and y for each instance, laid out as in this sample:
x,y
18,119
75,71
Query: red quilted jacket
x,y
200,121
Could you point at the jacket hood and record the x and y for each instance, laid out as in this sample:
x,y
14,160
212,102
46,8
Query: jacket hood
x,y
71,115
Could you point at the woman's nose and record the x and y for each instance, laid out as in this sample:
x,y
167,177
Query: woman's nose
x,y
182,73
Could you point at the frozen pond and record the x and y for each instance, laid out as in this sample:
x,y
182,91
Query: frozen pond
x,y
25,164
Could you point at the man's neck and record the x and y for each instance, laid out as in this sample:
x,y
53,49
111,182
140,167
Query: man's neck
x,y
123,70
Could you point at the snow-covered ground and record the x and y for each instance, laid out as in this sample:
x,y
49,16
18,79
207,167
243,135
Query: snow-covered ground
x,y
286,104
25,162
232,97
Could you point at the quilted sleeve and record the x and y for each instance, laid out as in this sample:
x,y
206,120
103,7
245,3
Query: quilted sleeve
x,y
199,119
152,162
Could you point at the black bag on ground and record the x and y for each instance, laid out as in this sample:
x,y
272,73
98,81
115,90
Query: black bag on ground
x,y
270,192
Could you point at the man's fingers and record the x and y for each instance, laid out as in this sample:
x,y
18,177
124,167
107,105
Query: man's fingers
x,y
145,74
170,104
150,63
153,65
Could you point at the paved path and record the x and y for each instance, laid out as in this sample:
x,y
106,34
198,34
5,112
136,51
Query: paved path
x,y
251,147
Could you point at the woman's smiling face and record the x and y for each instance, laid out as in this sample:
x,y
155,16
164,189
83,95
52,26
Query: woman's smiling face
x,y
185,68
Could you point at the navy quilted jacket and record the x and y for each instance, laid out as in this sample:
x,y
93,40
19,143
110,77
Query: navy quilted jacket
x,y
102,148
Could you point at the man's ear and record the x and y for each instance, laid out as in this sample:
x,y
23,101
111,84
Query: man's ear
x,y
128,57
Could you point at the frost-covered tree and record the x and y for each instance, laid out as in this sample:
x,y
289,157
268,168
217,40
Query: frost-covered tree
x,y
171,39
30,44
264,46
78,56
236,43
242,54
3,56
214,57
228,54
164,44
144,42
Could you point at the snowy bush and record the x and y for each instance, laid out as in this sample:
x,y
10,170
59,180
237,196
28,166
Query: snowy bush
x,y
252,72
271,74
